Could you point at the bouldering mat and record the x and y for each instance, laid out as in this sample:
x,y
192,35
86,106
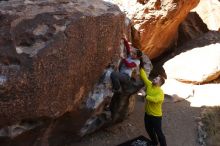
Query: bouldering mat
x,y
138,141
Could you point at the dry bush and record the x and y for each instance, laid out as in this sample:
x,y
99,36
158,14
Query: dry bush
x,y
211,121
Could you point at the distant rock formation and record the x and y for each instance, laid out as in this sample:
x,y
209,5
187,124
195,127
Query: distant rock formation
x,y
209,12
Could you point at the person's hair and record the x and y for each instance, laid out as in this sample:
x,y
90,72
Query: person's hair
x,y
162,80
139,53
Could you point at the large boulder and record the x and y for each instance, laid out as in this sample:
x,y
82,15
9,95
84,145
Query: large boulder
x,y
54,84
155,22
191,28
209,12
51,55
197,95
200,63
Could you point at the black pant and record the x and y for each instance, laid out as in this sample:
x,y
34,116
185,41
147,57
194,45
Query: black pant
x,y
154,129
118,78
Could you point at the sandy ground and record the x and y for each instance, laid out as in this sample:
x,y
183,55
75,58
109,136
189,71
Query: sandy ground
x,y
179,126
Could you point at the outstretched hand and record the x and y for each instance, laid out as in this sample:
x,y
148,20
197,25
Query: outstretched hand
x,y
141,63
124,37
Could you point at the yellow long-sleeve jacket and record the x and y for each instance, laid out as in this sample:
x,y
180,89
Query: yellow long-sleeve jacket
x,y
154,97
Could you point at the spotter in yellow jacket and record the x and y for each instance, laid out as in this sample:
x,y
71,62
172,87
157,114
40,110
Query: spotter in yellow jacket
x,y
155,95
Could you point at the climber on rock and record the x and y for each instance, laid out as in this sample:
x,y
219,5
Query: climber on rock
x,y
128,67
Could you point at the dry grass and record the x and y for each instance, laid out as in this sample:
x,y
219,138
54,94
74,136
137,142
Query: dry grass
x,y
211,121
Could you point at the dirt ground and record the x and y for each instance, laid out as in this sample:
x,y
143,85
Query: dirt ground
x,y
179,126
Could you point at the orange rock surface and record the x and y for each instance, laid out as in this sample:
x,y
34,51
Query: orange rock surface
x,y
155,24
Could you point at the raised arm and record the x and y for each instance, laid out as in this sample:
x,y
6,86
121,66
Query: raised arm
x,y
144,77
127,46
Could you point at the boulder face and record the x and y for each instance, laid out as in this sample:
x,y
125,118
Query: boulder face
x,y
155,22
52,53
200,63
209,12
